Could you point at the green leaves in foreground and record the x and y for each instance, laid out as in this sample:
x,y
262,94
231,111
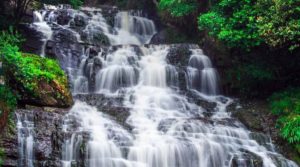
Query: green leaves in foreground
x,y
286,105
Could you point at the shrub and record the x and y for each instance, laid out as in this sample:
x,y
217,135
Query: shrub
x,y
25,68
249,23
10,37
178,7
29,69
76,3
286,105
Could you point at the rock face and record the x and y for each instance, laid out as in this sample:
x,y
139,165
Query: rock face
x,y
47,133
256,116
46,94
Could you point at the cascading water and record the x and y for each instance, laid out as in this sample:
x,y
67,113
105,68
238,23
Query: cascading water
x,y
41,25
25,140
165,126
202,76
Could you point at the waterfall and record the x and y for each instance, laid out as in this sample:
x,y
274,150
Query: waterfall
x,y
25,131
42,26
202,76
101,148
165,125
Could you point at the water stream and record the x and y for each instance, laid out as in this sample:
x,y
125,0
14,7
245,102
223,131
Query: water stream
x,y
167,128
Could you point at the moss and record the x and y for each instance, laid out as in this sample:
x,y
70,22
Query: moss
x,y
1,156
36,79
46,68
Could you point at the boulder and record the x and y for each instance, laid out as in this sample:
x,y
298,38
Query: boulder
x,y
38,81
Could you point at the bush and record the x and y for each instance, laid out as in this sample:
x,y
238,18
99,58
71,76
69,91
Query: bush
x,y
249,23
27,69
10,37
178,7
76,3
286,105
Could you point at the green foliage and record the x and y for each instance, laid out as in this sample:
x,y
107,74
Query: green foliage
x,y
286,105
248,77
30,69
27,69
278,22
76,3
249,23
8,97
178,7
2,154
10,37
232,21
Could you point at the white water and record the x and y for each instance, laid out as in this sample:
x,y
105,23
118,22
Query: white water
x,y
101,147
168,129
25,140
42,26
202,76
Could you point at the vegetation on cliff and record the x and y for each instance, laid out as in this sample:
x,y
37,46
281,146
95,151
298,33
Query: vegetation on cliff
x,y
178,8
286,105
8,98
262,41
250,23
35,79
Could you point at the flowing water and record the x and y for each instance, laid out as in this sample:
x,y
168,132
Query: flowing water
x,y
165,126
25,128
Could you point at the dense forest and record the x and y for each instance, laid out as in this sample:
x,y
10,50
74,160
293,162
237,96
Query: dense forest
x,y
254,44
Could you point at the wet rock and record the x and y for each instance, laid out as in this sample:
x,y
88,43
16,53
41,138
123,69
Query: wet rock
x,y
50,94
247,159
249,118
179,55
80,21
63,17
263,139
33,38
159,38
9,144
109,13
65,36
112,106
256,115
208,106
101,39
46,124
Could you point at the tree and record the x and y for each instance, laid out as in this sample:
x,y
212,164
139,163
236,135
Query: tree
x,y
249,23
19,8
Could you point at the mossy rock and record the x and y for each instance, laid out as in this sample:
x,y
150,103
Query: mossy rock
x,y
101,39
37,81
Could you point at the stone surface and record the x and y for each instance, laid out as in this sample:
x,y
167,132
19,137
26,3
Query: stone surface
x,y
46,94
256,115
47,133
